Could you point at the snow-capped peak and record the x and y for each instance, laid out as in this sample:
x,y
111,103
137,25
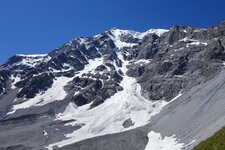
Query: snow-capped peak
x,y
32,55
33,59
119,36
158,32
136,34
121,32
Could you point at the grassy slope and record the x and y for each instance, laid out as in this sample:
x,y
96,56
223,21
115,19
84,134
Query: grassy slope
x,y
216,142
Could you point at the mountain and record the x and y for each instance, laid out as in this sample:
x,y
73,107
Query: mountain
x,y
121,89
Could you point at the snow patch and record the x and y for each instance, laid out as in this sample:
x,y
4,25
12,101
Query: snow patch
x,y
15,80
56,92
158,32
179,49
91,66
32,55
156,142
198,43
179,76
32,60
45,133
117,34
143,61
116,37
71,109
193,42
183,30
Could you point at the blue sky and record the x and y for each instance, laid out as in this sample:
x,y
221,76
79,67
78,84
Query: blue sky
x,y
39,26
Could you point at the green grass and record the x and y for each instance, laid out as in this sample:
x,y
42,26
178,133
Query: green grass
x,y
216,142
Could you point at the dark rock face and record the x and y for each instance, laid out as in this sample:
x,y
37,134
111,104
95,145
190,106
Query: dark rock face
x,y
180,59
34,85
101,68
4,77
96,87
175,34
216,49
148,47
14,59
127,123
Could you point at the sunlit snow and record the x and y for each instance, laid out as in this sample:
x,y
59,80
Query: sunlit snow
x,y
116,35
56,92
33,60
127,104
157,142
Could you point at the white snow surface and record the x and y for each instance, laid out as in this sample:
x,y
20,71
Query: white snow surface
x,y
118,33
15,80
116,37
158,32
45,133
33,60
156,142
91,66
56,92
193,42
108,117
142,61
33,55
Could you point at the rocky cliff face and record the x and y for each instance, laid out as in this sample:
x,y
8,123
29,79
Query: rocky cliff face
x,y
102,84
178,60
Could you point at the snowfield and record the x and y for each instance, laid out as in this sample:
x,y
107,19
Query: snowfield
x,y
126,110
110,116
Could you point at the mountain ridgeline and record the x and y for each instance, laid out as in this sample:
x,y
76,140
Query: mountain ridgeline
x,y
110,90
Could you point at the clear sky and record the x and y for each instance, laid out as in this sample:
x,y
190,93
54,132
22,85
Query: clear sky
x,y
39,26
